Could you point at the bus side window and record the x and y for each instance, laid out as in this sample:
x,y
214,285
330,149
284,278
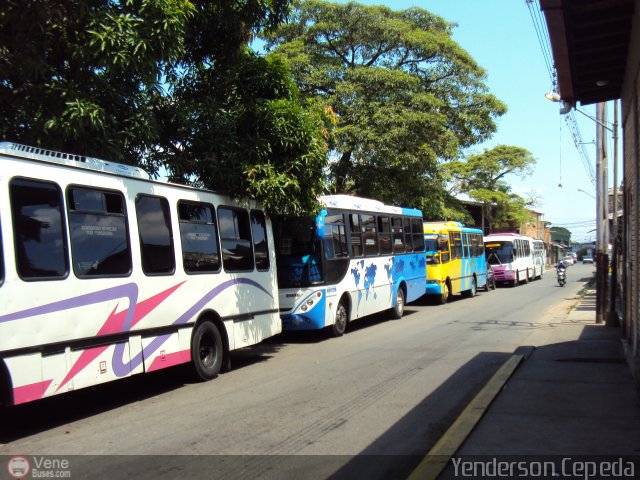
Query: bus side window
x,y
335,237
370,234
260,244
98,228
235,236
199,238
456,246
417,234
444,248
384,235
156,240
39,236
465,245
356,235
408,234
398,235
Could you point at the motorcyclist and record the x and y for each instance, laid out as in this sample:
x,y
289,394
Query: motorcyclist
x,y
561,266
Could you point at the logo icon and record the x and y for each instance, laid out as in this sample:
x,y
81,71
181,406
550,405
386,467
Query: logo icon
x,y
18,467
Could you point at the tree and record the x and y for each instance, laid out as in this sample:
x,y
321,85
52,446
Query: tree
x,y
80,76
404,93
482,177
163,83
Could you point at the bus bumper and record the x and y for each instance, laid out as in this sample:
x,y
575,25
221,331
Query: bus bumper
x,y
433,288
301,322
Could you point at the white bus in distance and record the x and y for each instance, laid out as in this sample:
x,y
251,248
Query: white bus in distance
x,y
105,273
511,257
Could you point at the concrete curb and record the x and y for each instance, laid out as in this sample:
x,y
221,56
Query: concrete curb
x,y
438,457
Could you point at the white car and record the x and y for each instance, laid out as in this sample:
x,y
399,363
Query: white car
x,y
568,260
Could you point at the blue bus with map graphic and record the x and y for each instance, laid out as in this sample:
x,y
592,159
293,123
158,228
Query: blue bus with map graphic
x,y
355,258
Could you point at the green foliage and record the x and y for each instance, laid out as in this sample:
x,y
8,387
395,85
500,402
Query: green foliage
x,y
163,83
482,177
404,94
80,76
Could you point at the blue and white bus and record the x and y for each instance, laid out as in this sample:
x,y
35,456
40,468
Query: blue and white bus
x,y
355,258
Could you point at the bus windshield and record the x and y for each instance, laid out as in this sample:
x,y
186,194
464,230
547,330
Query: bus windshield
x,y
298,252
499,252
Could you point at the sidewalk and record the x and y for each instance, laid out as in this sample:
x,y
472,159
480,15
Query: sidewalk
x,y
573,394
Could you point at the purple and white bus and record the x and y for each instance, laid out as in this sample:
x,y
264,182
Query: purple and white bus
x,y
511,257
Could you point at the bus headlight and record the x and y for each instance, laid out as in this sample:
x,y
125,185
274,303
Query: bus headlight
x,y
310,302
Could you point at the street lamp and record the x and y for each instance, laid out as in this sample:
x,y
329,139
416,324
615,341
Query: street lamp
x,y
580,190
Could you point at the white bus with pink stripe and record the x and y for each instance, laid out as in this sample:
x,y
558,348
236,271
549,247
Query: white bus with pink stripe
x,y
105,273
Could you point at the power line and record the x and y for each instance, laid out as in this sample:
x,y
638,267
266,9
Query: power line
x,y
540,27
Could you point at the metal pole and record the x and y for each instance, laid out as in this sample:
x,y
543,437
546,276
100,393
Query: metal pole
x,y
602,261
612,318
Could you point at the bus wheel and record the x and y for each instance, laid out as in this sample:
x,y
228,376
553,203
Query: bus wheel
x,y
398,308
446,293
340,322
473,290
526,280
206,351
516,281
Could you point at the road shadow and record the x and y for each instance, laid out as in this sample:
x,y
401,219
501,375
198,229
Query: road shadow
x,y
27,419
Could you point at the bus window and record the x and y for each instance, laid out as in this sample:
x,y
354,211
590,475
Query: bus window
x,y
408,234
156,241
298,259
39,237
456,246
260,244
335,237
198,237
444,247
384,235
397,235
465,245
417,233
356,235
370,235
98,232
235,235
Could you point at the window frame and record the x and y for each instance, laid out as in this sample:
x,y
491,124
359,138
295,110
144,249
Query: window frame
x,y
245,212
171,247
73,212
213,223
63,230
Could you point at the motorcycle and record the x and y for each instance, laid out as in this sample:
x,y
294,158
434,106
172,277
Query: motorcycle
x,y
562,276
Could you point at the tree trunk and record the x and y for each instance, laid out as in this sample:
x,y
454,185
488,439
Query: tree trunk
x,y
341,171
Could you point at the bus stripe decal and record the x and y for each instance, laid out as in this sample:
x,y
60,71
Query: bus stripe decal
x,y
169,360
113,324
27,393
121,369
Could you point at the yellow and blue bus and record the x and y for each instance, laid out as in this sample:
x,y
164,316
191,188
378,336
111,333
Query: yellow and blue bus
x,y
455,260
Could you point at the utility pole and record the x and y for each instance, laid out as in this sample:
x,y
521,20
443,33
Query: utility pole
x,y
602,242
612,318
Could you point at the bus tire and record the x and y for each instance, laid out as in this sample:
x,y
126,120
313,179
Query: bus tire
x,y
206,351
472,291
398,307
526,278
516,280
446,293
6,392
342,318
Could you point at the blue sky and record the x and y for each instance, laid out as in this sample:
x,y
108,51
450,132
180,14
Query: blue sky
x,y
500,36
